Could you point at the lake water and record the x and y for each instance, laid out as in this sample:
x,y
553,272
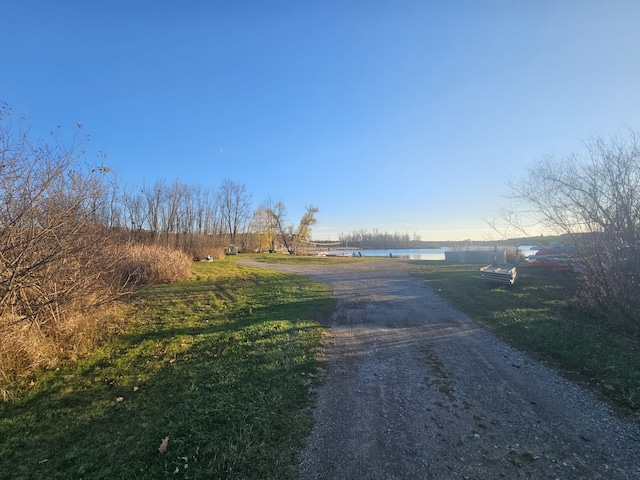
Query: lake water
x,y
408,253
419,253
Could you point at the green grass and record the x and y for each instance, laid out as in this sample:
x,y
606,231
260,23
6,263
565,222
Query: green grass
x,y
536,316
222,365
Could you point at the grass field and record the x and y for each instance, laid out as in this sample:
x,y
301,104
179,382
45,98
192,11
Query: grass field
x,y
221,365
536,316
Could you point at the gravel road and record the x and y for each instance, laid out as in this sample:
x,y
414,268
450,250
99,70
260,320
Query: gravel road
x,y
415,389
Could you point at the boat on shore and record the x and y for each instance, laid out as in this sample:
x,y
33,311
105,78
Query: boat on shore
x,y
505,274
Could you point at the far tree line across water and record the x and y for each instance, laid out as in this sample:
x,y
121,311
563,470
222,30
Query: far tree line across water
x,y
377,239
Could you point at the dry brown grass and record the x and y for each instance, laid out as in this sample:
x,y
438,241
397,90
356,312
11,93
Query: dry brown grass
x,y
141,264
216,253
71,328
29,346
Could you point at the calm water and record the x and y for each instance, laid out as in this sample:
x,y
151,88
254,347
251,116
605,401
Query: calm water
x,y
409,253
420,253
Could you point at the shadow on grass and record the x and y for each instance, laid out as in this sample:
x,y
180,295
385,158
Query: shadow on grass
x,y
224,374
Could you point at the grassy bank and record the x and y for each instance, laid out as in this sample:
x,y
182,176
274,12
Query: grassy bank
x,y
221,365
535,316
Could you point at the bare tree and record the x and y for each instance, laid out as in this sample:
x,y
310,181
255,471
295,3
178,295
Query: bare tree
x,y
170,210
135,212
51,231
277,213
261,225
235,207
209,213
275,224
307,221
303,233
594,200
177,215
154,200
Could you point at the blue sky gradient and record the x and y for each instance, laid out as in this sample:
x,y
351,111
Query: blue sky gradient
x,y
404,116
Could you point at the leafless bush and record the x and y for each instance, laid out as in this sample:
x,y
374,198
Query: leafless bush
x,y
61,268
48,232
593,199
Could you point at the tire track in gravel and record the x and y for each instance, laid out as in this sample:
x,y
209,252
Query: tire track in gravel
x,y
415,389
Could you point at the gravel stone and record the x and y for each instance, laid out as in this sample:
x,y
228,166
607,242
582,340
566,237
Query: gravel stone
x,y
414,389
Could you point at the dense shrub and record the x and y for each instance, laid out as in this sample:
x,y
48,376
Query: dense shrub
x,y
73,323
211,253
152,264
593,198
63,270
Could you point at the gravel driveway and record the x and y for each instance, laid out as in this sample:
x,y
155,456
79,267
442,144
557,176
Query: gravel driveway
x,y
415,389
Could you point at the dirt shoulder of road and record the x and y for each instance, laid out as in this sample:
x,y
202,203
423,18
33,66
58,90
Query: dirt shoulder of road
x,y
415,389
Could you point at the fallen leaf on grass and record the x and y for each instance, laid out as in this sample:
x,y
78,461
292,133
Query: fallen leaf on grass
x,y
119,399
164,445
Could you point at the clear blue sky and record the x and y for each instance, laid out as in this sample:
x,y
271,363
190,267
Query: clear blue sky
x,y
405,116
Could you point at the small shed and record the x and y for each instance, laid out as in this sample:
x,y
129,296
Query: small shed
x,y
469,256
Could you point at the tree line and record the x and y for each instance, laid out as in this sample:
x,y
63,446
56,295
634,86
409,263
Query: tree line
x,y
61,216
377,239
74,242
199,220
